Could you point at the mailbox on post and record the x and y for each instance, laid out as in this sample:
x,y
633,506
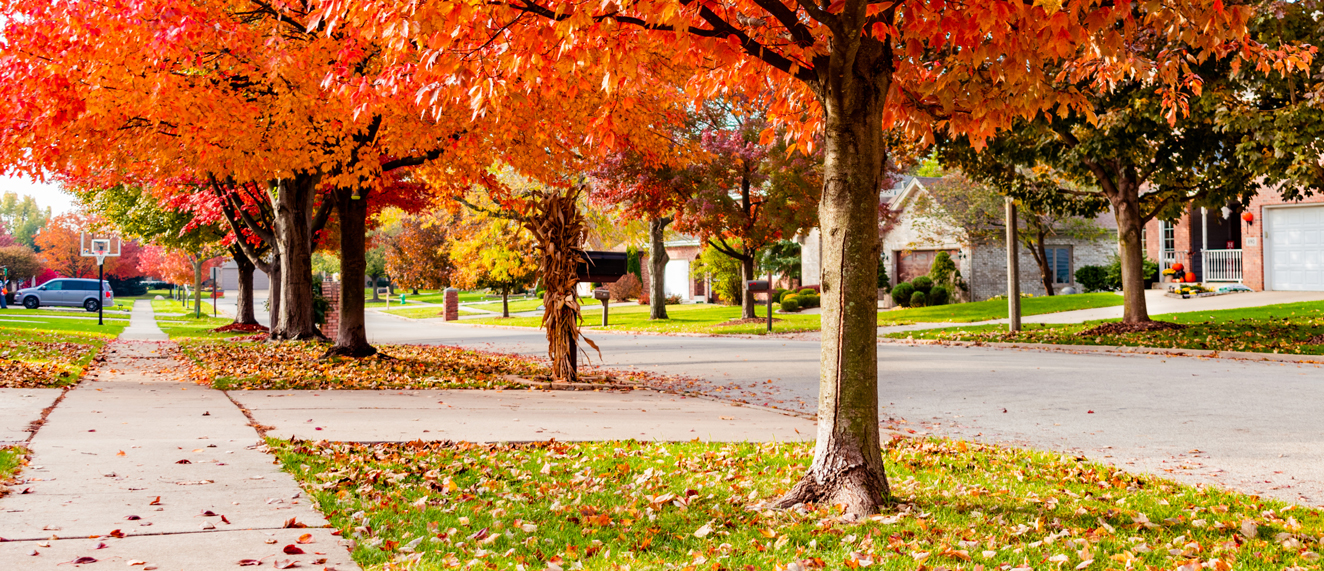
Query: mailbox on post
x,y
603,295
602,267
755,286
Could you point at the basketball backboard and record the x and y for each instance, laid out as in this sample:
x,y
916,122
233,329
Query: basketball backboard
x,y
99,246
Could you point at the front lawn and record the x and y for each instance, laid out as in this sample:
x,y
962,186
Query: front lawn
x,y
636,505
522,305
997,309
48,352
689,318
231,365
1292,328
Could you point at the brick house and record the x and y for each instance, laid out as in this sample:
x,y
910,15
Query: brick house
x,y
681,254
1281,247
909,251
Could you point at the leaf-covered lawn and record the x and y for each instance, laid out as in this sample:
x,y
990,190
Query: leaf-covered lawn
x,y
1293,328
296,365
690,318
48,352
633,505
989,310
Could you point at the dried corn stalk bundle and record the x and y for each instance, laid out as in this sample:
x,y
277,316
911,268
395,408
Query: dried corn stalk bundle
x,y
558,225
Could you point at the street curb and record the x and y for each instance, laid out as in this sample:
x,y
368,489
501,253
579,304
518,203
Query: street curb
x,y
1121,350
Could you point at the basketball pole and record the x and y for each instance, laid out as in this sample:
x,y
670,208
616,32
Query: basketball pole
x,y
101,290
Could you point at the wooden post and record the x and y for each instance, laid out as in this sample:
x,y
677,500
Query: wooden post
x,y
1013,269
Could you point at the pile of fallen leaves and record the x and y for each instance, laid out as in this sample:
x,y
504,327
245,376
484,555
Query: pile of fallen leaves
x,y
1288,336
1119,328
33,363
641,505
297,365
240,328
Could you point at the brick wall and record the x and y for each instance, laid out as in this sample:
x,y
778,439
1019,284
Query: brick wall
x,y
331,291
451,304
988,265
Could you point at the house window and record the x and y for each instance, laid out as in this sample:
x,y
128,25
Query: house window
x,y
1059,262
1169,237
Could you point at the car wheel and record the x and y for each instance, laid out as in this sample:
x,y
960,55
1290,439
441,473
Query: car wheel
x,y
92,305
31,302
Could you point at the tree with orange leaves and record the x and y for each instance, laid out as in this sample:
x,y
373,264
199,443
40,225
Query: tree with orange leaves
x,y
846,70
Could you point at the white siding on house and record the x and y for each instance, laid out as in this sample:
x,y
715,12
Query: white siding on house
x,y
230,278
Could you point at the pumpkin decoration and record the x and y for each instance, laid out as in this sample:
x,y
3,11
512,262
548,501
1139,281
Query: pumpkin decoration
x,y
1177,267
1190,277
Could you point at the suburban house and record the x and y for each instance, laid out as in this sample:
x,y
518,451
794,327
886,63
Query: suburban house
x,y
681,254
230,277
1270,244
910,246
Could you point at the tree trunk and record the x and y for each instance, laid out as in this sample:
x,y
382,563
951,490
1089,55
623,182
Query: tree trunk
x,y
294,241
847,469
505,302
197,285
747,301
1040,253
273,295
657,265
374,287
244,311
352,335
1130,221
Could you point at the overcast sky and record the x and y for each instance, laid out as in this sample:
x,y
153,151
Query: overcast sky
x,y
46,194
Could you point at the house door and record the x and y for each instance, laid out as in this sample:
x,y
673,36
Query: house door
x,y
1294,248
916,263
677,280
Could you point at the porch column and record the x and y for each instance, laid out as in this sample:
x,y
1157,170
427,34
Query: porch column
x,y
1204,241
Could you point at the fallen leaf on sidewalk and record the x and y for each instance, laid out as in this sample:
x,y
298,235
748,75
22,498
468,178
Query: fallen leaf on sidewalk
x,y
84,559
135,562
184,461
292,549
293,524
249,562
287,564
117,534
132,518
305,539
155,502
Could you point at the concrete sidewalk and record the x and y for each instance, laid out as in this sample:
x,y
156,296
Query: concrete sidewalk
x,y
515,415
136,465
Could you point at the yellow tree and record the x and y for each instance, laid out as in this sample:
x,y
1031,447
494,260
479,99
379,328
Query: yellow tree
x,y
491,252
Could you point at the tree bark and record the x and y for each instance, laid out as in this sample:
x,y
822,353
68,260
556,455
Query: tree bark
x,y
505,302
1126,205
374,287
244,311
197,284
352,334
273,296
1039,250
294,241
747,301
657,265
847,469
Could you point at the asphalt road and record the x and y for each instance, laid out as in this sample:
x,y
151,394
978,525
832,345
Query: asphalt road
x,y
1251,426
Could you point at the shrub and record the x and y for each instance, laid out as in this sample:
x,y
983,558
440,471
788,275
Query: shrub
x,y
922,283
777,294
626,288
901,293
786,294
673,299
939,295
918,299
808,291
790,303
1150,269
1093,278
809,300
882,276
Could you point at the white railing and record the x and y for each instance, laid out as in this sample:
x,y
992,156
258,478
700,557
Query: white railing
x,y
1167,259
1221,265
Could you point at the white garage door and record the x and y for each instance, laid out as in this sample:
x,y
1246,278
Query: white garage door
x,y
1295,248
678,278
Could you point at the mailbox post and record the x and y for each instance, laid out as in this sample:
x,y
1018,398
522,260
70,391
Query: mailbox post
x,y
603,295
755,286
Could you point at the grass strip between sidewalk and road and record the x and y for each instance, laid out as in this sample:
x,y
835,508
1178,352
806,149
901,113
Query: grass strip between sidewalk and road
x,y
429,312
688,318
12,460
230,365
1290,328
638,505
997,309
50,352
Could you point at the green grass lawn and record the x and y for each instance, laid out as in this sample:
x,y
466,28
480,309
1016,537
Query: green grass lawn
x,y
427,312
690,318
45,352
12,459
180,323
639,505
989,310
522,305
1292,328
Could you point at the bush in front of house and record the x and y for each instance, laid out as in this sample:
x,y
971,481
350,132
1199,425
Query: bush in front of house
x,y
922,283
1093,278
626,288
809,300
918,299
790,304
939,295
901,293
786,294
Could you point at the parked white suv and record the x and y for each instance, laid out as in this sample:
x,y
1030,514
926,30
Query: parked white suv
x,y
67,292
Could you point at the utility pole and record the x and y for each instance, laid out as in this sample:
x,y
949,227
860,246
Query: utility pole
x,y
1013,269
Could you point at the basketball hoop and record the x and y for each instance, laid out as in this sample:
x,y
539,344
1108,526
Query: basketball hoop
x,y
100,246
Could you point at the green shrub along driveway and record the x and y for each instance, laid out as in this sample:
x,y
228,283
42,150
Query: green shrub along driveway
x,y
1290,328
996,309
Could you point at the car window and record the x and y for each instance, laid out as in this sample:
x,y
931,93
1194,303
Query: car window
x,y
54,285
87,286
